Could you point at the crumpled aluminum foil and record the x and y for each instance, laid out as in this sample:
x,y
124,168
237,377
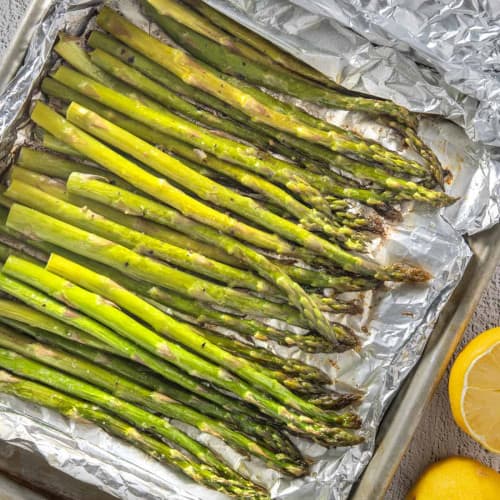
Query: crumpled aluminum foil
x,y
336,37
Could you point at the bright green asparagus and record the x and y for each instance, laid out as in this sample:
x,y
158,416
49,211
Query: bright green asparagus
x,y
155,402
75,408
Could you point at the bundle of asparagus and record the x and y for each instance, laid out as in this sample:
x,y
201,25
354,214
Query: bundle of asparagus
x,y
172,210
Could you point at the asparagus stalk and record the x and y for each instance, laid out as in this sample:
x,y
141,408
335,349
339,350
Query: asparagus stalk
x,y
205,317
76,56
19,312
156,72
308,217
307,307
180,332
56,89
311,278
199,314
115,67
99,191
183,175
204,27
278,78
75,408
85,218
58,190
56,165
265,435
161,75
333,400
155,402
99,40
226,149
266,358
25,367
135,78
56,310
196,74
121,258
247,156
69,49
96,306
177,24
263,46
53,144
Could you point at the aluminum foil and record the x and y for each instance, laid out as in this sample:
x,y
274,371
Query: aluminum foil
x,y
368,46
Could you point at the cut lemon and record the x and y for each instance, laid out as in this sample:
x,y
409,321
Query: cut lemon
x,y
474,389
457,478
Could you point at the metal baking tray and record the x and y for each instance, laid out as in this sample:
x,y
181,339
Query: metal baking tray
x,y
402,417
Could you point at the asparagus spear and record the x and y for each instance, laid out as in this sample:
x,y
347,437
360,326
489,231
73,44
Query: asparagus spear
x,y
19,312
142,243
205,316
183,175
161,75
44,304
259,355
309,277
167,326
199,314
99,40
51,143
292,367
119,257
155,402
69,49
282,78
25,367
156,72
259,43
177,23
265,435
278,78
162,190
371,198
79,58
308,217
58,189
105,60
247,156
56,165
105,193
75,408
95,305
196,74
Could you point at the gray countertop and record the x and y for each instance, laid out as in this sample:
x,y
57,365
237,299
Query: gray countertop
x,y
437,436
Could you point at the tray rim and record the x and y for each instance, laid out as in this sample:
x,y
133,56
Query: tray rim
x,y
401,419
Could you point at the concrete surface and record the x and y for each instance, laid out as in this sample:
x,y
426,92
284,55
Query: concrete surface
x,y
437,436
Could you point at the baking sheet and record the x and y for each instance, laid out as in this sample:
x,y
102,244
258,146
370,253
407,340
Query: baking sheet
x,y
399,321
